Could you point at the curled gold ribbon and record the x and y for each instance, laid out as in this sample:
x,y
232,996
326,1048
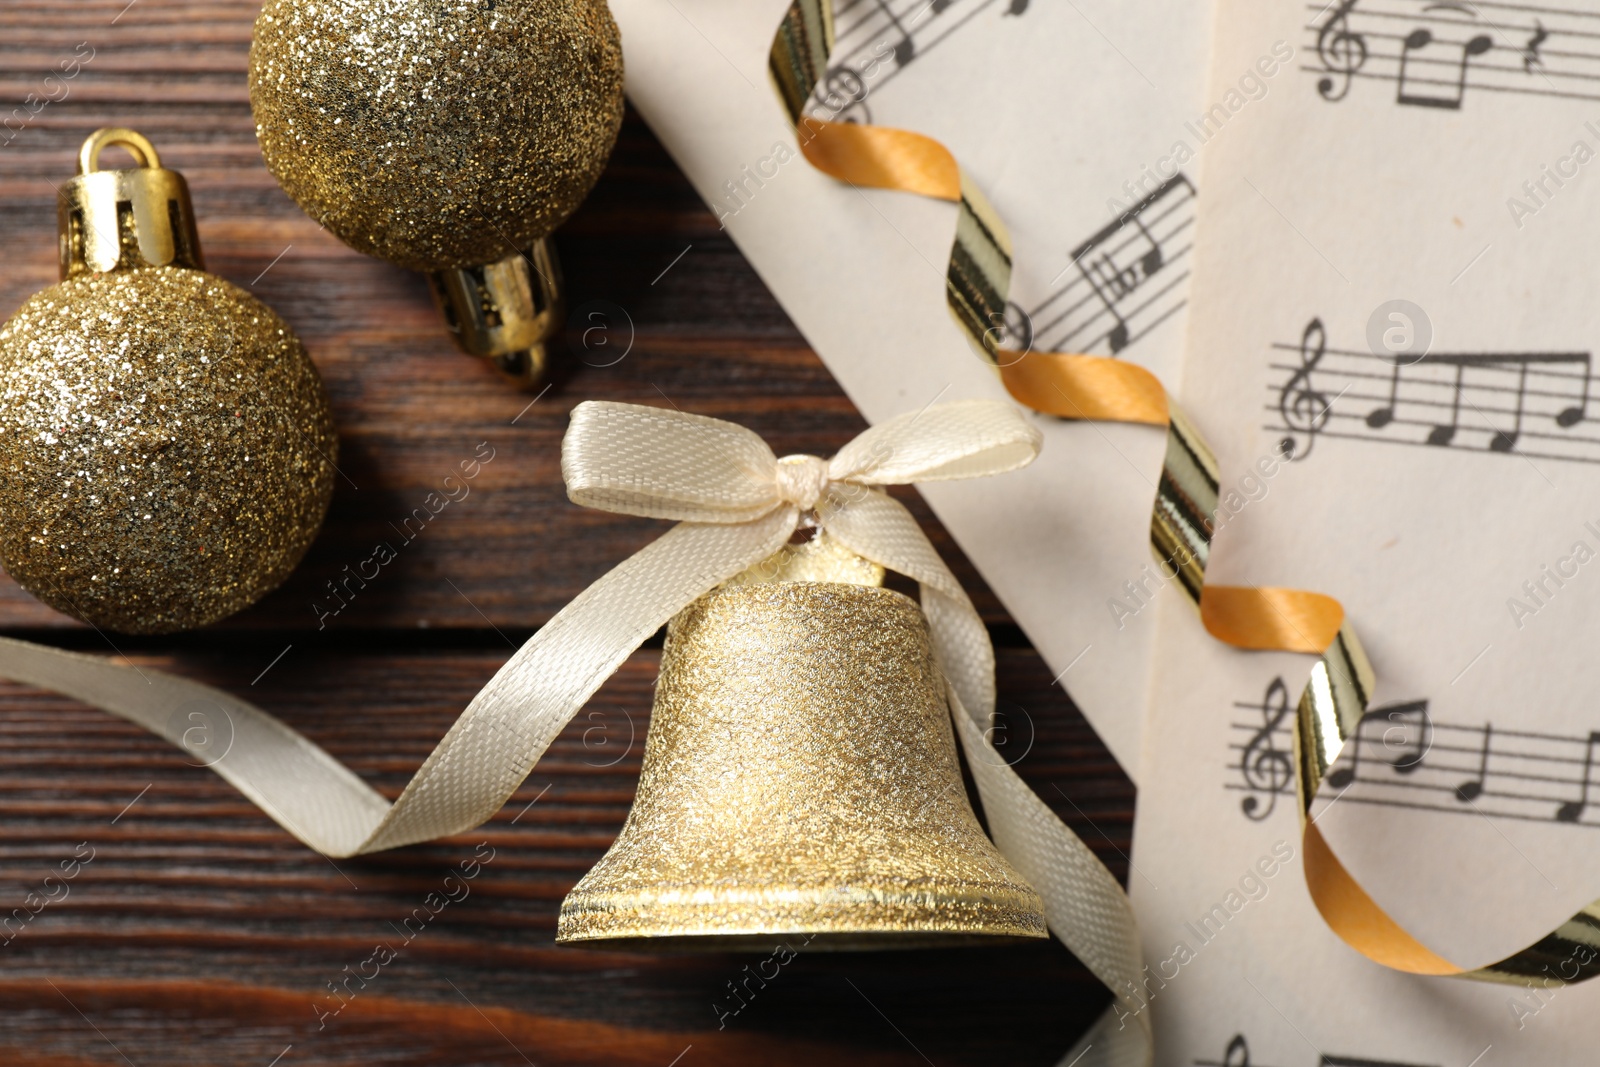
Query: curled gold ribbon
x,y
1087,387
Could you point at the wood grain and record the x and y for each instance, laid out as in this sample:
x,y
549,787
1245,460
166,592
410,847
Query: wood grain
x,y
201,933
706,337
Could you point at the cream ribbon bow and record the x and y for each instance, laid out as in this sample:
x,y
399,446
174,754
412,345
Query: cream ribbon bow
x,y
735,504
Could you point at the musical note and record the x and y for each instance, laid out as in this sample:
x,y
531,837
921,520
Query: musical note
x,y
875,31
1413,744
1449,768
1304,409
1266,767
1530,51
905,49
1343,777
1123,280
1506,440
1440,54
1342,52
1421,38
1472,788
1514,402
1378,418
1572,810
1443,434
1112,281
1128,275
1101,276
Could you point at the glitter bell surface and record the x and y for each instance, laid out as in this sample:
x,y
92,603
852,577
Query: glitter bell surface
x,y
800,777
166,447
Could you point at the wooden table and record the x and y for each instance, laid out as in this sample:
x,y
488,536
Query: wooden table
x,y
201,933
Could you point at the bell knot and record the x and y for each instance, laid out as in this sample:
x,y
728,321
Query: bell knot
x,y
801,480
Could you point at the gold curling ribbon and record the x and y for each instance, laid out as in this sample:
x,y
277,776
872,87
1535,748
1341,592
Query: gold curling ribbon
x,y
1087,387
881,158
1084,387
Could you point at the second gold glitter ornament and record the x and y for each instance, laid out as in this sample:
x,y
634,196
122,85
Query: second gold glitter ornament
x,y
166,448
445,136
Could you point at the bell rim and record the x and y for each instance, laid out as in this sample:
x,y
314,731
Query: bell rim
x,y
800,940
942,914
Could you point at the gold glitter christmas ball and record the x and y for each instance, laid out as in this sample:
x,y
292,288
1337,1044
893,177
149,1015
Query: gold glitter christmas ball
x,y
437,134
166,449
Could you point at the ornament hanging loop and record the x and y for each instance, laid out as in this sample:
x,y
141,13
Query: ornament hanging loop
x,y
113,220
138,145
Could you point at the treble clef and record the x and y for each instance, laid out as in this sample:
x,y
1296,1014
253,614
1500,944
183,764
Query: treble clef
x,y
1267,768
1342,52
1304,409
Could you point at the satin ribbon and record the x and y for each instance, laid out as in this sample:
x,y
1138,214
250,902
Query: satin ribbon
x,y
735,504
1076,386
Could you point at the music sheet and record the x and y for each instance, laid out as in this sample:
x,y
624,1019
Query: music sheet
x,y
1082,123
1392,354
1240,969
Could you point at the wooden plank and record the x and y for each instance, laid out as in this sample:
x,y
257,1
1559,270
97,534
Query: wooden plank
x,y
707,336
197,915
200,933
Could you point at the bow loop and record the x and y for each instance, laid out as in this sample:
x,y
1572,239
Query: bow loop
x,y
640,460
963,439
671,465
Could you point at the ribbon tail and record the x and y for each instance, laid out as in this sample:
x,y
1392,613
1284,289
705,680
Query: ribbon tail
x,y
942,442
489,750
298,784
1085,907
503,732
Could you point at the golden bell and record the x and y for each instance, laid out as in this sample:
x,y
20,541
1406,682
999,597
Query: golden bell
x,y
800,777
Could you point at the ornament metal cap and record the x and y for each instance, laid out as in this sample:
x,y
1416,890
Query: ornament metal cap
x,y
124,219
800,778
505,312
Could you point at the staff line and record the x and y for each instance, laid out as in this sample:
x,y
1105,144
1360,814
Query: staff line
x,y
1063,341
1507,6
1483,87
1103,310
1137,238
1177,256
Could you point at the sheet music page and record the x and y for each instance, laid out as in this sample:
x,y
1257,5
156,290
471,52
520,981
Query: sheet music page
x,y
1391,353
1241,970
1078,121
